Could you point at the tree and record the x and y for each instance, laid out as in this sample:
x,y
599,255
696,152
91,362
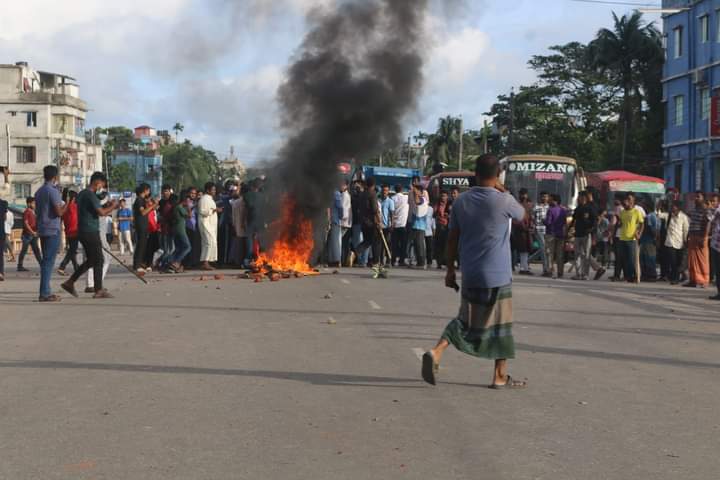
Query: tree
x,y
631,54
187,165
122,177
177,128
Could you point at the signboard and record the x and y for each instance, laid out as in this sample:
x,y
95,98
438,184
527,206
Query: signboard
x,y
715,116
456,182
550,167
636,186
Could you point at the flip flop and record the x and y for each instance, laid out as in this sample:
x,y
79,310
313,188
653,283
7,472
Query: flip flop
x,y
428,368
51,298
69,289
509,384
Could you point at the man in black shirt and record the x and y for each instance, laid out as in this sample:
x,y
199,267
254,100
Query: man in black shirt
x,y
369,213
89,211
585,220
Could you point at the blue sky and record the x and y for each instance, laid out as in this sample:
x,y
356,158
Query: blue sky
x,y
214,65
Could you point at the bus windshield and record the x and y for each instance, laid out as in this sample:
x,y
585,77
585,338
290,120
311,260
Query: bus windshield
x,y
542,179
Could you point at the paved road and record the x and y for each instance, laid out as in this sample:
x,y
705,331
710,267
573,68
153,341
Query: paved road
x,y
229,379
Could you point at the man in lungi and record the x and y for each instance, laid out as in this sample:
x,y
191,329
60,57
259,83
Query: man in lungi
x,y
480,228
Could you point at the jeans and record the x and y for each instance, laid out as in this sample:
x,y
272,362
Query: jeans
x,y
582,256
417,240
94,258
141,239
629,259
71,254
2,254
167,245
335,244
29,241
371,243
182,248
440,250
357,240
50,246
540,252
126,240
399,245
107,260
555,253
675,257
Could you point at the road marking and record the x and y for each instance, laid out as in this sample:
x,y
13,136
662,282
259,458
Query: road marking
x,y
345,281
374,305
419,352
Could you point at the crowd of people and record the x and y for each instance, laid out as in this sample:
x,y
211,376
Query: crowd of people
x,y
369,226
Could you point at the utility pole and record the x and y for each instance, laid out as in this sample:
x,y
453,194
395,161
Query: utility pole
x,y
408,153
460,150
624,145
511,139
485,136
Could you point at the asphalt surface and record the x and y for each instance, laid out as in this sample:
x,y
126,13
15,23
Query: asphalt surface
x,y
319,378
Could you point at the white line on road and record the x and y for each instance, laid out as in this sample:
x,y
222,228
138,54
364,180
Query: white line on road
x,y
419,352
345,281
374,305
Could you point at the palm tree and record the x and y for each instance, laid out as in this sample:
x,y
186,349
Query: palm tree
x,y
628,52
177,128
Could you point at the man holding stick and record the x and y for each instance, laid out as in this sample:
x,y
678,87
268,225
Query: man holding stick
x,y
89,212
480,228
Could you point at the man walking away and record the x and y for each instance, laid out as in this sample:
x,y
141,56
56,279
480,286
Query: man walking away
x,y
631,225
698,254
400,219
125,219
70,221
141,209
89,212
29,235
479,226
678,227
555,228
49,209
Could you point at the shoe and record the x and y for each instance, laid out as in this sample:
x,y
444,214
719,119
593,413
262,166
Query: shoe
x,y
70,288
103,294
51,298
576,277
22,269
599,274
89,290
60,272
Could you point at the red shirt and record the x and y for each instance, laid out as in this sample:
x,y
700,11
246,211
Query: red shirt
x,y
70,220
153,226
442,214
30,220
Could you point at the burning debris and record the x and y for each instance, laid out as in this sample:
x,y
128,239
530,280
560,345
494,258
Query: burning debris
x,y
355,76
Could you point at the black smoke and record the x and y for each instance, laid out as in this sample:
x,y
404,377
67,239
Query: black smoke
x,y
356,75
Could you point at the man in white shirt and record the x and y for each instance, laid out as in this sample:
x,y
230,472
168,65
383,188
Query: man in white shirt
x,y
399,220
676,240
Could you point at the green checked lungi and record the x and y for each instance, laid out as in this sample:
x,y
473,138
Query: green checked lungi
x,y
483,327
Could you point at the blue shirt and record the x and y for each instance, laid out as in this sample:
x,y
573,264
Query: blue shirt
x,y
125,224
483,216
46,199
387,208
191,222
336,212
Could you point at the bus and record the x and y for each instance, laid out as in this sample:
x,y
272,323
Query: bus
x,y
543,173
611,184
444,181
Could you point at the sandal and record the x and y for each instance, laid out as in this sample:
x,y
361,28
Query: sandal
x,y
429,370
509,384
70,288
51,298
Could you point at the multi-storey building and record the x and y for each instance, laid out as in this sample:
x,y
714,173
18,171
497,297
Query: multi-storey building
x,y
143,157
691,87
42,122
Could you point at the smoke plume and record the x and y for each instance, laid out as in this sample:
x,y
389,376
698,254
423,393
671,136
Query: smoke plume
x,y
356,75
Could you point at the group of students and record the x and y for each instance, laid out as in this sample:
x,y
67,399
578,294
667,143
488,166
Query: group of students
x,y
371,225
638,236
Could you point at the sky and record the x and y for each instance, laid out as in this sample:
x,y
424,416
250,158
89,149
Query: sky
x,y
215,65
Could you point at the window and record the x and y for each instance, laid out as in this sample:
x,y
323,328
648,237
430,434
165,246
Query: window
x,y
705,103
679,110
31,119
678,42
704,29
25,154
22,190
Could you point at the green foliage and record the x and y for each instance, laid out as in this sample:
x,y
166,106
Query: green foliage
x,y
187,165
119,138
122,177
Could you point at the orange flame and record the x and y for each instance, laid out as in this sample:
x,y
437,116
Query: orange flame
x,y
293,247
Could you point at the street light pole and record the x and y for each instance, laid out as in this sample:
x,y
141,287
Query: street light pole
x,y
460,151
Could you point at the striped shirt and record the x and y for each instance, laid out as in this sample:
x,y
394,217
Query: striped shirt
x,y
699,219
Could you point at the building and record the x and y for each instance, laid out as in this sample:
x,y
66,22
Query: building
x,y
232,168
144,159
691,91
42,122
